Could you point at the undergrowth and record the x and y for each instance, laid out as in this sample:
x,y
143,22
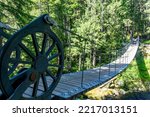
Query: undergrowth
x,y
136,78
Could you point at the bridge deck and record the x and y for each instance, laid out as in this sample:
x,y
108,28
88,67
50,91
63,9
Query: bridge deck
x,y
71,83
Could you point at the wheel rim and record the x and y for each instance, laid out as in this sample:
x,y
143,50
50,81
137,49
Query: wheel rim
x,y
17,52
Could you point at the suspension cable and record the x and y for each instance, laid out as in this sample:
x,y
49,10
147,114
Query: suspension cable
x,y
50,21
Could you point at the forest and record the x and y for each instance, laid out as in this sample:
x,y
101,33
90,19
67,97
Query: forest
x,y
104,26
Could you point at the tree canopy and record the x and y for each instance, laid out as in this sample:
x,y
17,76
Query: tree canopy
x,y
106,24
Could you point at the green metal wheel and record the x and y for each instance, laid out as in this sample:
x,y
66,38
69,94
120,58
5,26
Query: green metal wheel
x,y
39,66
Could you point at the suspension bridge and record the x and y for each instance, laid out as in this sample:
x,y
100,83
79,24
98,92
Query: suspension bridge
x,y
73,84
35,80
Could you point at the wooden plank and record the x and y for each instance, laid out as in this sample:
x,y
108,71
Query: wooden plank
x,y
89,77
71,93
28,92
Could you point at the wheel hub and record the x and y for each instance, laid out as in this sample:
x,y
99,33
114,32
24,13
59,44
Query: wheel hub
x,y
33,76
41,64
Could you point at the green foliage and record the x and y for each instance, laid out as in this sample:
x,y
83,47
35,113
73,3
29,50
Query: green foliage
x,y
146,41
105,24
137,75
15,12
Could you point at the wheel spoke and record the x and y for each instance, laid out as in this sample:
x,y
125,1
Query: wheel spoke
x,y
19,76
26,50
44,82
25,62
35,43
54,56
44,43
35,88
13,60
54,65
50,49
50,74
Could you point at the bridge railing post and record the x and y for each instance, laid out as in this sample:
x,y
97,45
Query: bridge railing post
x,y
100,60
109,62
83,62
119,61
113,59
116,53
82,78
120,57
123,56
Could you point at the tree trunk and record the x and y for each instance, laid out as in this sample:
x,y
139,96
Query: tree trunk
x,y
94,58
91,57
80,62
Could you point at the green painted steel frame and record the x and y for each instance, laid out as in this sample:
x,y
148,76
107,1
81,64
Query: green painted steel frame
x,y
41,24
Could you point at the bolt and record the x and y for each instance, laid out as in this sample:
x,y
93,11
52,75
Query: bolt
x,y
49,20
